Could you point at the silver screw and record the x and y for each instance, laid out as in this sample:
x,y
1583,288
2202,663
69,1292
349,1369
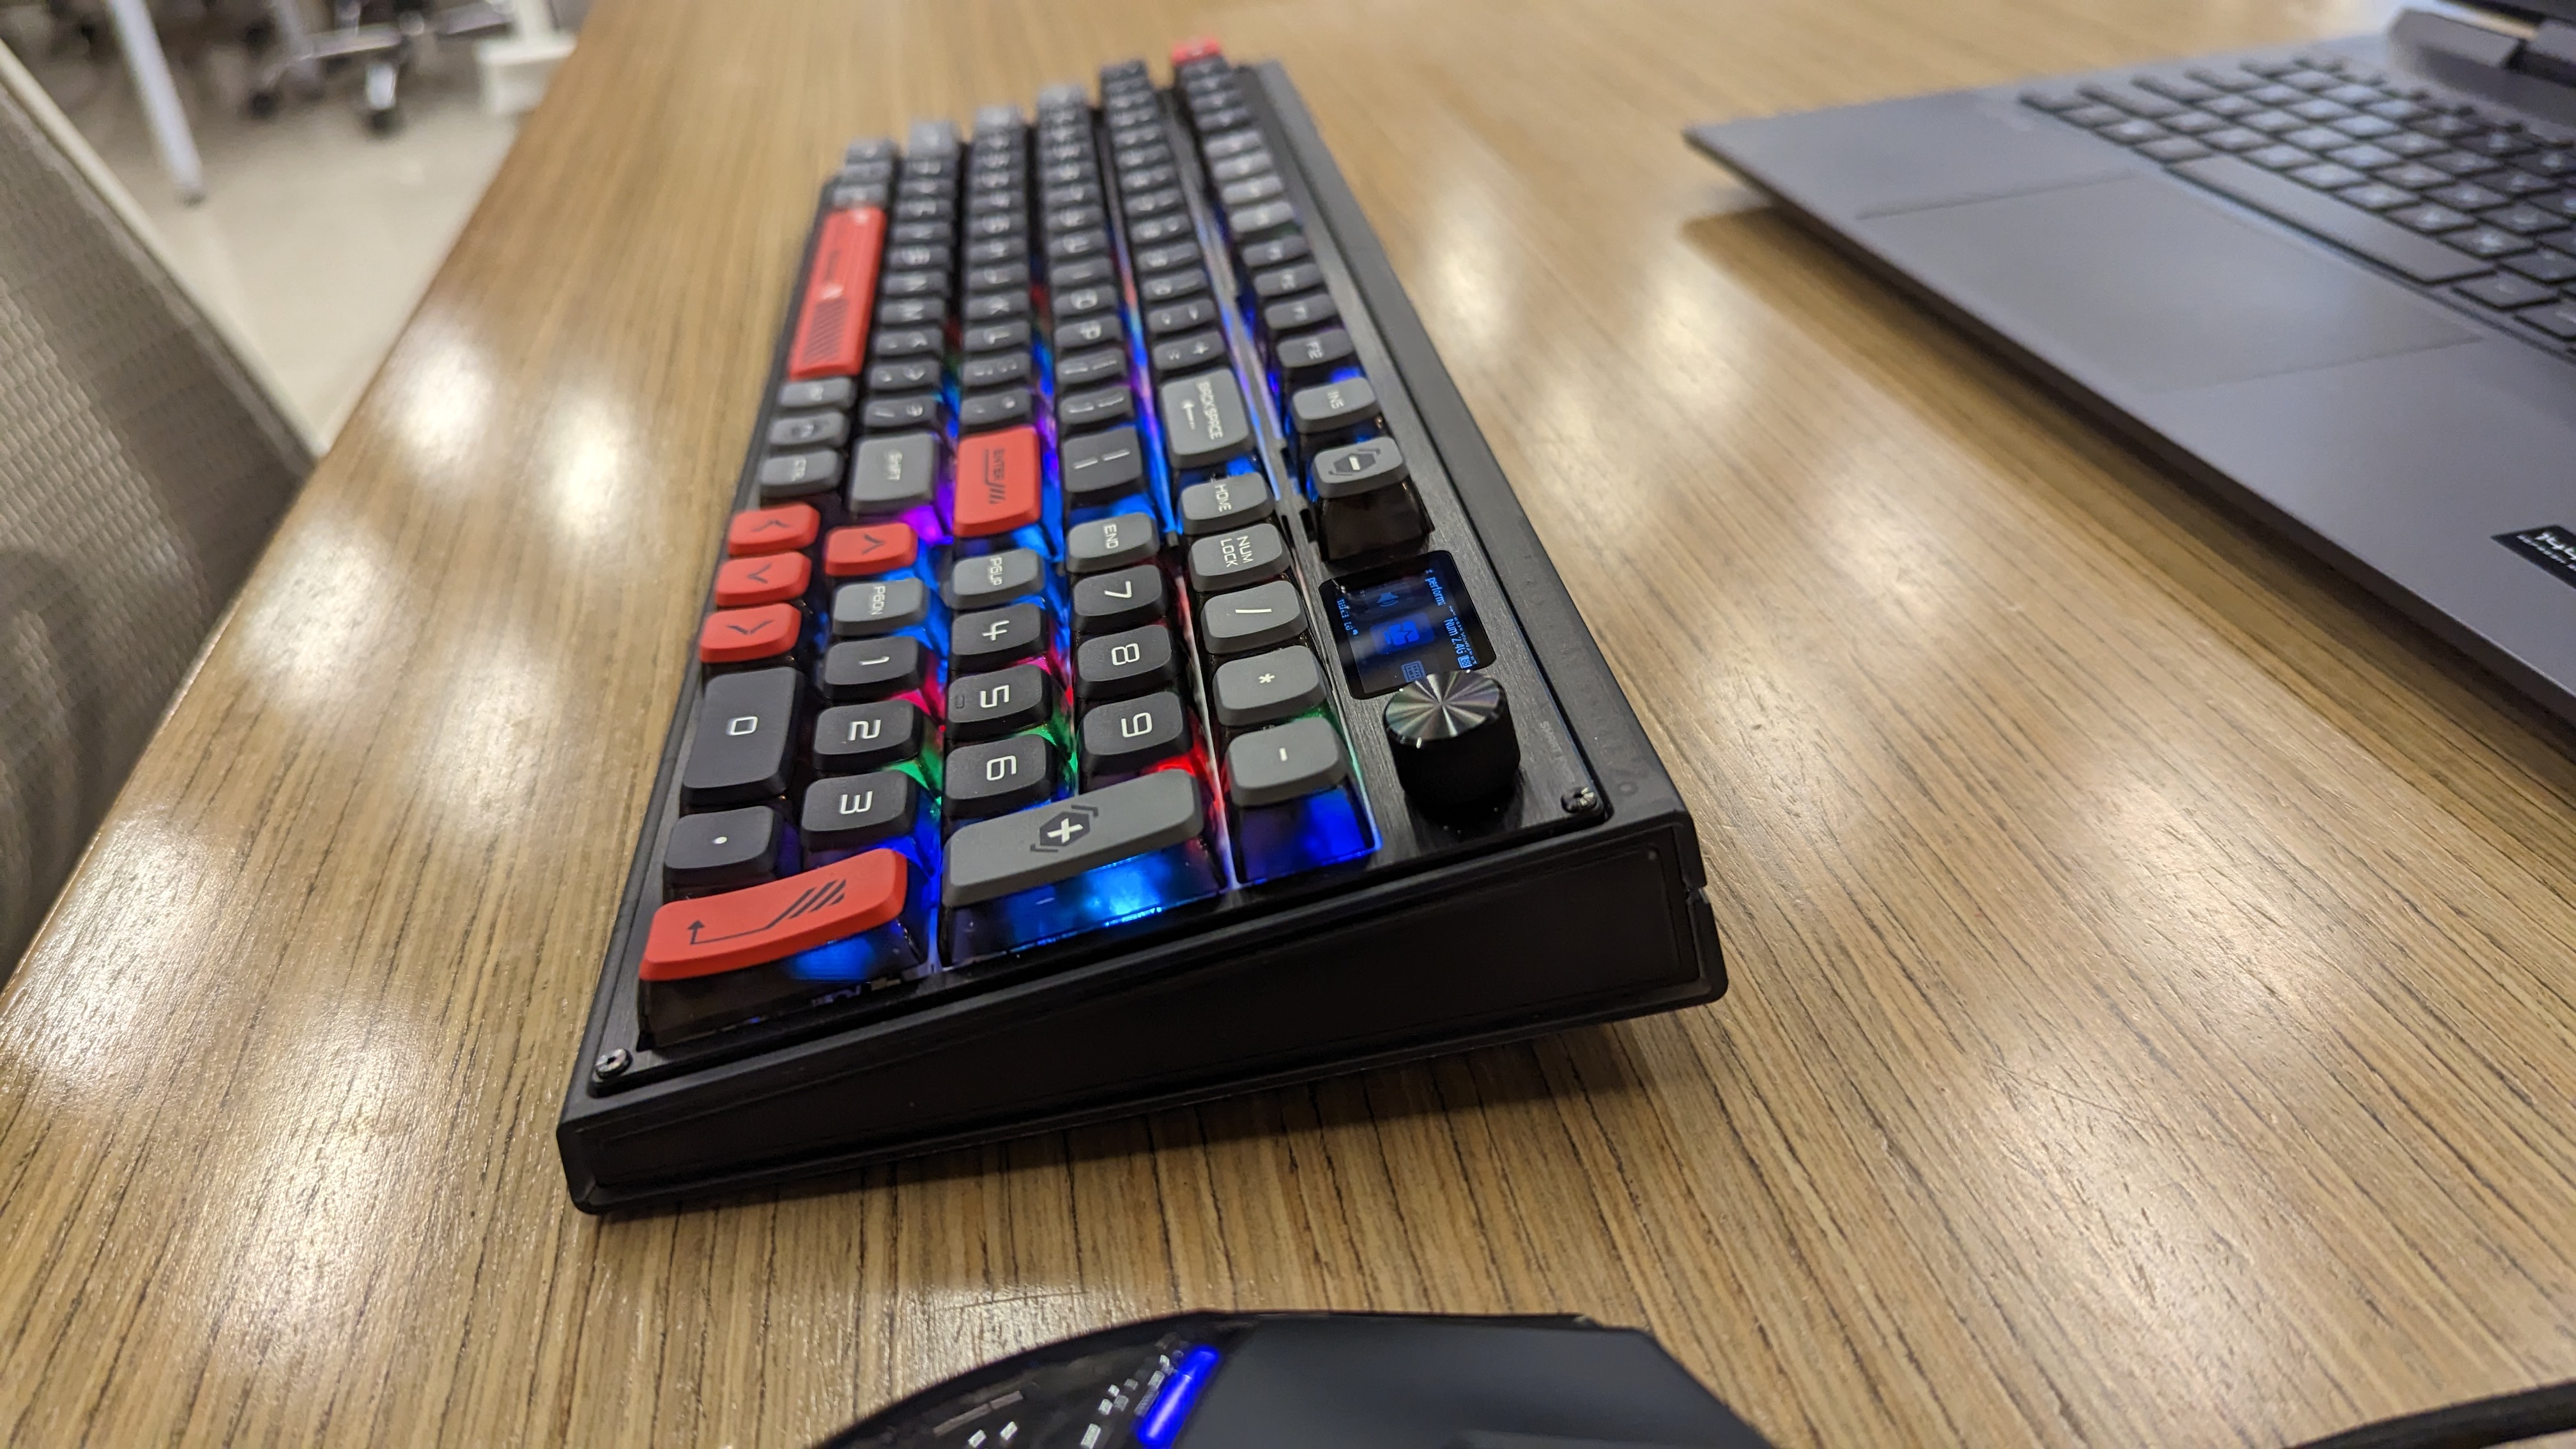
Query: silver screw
x,y
1581,800
610,1063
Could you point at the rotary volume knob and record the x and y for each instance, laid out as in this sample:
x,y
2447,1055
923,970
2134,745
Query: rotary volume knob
x,y
1454,745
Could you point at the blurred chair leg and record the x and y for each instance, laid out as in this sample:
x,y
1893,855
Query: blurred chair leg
x,y
151,71
296,42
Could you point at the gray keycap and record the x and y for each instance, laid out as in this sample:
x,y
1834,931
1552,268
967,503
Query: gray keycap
x,y
993,858
1131,661
1233,143
1224,503
795,475
1285,762
1132,734
821,392
1262,617
878,607
800,430
932,138
1204,420
994,578
1235,168
1105,603
1254,222
1110,543
1063,96
1268,687
1237,557
894,472
1249,190
1332,406
1359,468
1101,465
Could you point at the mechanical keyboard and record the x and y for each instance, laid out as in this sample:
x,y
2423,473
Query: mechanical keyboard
x,y
2453,195
1128,679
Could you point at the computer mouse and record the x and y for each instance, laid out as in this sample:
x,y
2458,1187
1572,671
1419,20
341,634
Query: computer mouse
x,y
1303,1380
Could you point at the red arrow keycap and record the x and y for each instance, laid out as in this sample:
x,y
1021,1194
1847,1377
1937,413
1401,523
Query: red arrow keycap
x,y
732,636
840,291
761,923
1197,47
766,579
997,483
872,548
772,530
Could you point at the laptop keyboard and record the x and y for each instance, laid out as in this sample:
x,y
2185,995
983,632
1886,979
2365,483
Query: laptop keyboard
x,y
2446,194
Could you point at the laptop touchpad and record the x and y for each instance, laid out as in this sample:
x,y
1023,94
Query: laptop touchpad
x,y
2144,282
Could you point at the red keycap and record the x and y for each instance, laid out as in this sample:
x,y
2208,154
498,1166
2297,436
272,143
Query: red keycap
x,y
1197,47
768,579
871,548
997,483
840,292
761,923
772,530
734,635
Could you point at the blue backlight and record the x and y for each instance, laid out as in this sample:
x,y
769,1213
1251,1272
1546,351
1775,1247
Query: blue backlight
x,y
1301,835
1171,1406
1124,890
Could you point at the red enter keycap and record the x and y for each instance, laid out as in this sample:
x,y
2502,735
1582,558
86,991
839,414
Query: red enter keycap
x,y
760,923
732,636
840,290
772,530
771,579
870,548
997,483
1197,47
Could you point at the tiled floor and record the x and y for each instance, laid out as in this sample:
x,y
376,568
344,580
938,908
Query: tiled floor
x,y
315,238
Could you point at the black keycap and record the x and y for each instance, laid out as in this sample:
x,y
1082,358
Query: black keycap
x,y
746,734
1311,357
1188,354
821,392
1089,368
985,780
1097,407
2504,290
1122,738
1222,503
1098,331
1087,272
984,706
1167,256
1002,408
1129,662
909,375
1204,422
813,430
2488,242
905,342
797,475
2430,219
1362,467
1333,407
996,369
873,607
864,669
1184,316
1261,256
1107,603
1238,557
991,307
996,337
987,639
1103,465
903,412
1158,229
2545,266
859,812
1104,544
988,579
1298,313
2523,220
850,739
2558,321
721,850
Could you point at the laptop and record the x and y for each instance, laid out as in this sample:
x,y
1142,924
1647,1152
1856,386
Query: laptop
x,y
2335,283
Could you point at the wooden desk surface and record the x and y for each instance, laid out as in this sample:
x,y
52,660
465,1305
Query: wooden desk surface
x,y
2152,1016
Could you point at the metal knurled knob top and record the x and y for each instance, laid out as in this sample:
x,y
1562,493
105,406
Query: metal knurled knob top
x,y
1453,742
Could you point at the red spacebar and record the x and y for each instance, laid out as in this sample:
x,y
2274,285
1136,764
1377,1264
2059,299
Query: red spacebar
x,y
840,291
764,922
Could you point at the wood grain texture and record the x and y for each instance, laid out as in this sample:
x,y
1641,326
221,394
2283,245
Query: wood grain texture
x,y
2152,1016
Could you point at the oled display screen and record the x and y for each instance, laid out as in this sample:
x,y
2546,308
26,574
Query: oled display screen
x,y
1404,623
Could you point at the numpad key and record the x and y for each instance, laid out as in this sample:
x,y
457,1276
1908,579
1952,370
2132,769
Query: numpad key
x,y
1129,679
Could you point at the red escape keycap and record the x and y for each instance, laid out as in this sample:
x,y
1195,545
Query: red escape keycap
x,y
772,530
840,293
870,548
731,636
780,918
1197,47
768,579
997,483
